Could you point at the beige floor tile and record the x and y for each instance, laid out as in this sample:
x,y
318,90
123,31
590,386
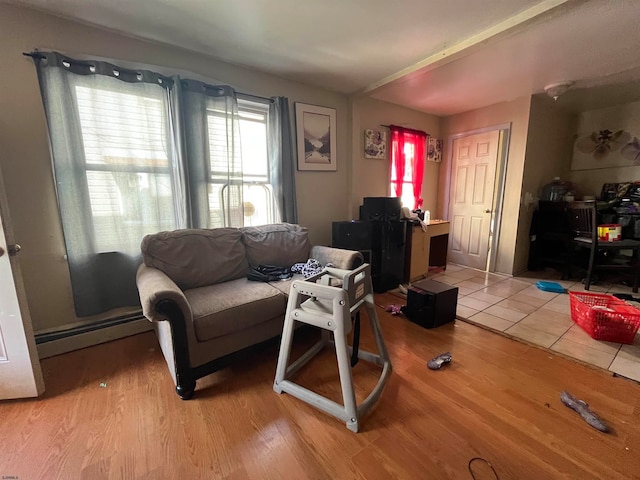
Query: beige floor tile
x,y
486,297
539,317
549,322
490,321
584,353
532,335
626,367
464,290
505,313
505,288
452,267
576,335
469,285
563,299
473,303
465,274
463,311
534,291
619,288
631,352
536,302
554,307
516,305
445,278
579,287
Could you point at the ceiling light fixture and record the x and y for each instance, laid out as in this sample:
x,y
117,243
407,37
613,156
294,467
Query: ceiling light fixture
x,y
554,90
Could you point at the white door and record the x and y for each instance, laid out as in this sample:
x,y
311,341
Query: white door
x,y
473,175
20,374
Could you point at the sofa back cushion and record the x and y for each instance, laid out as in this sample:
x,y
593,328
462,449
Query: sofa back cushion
x,y
280,244
197,257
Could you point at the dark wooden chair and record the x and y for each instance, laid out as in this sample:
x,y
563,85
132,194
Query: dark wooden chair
x,y
582,218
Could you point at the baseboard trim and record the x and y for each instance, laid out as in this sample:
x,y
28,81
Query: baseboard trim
x,y
52,344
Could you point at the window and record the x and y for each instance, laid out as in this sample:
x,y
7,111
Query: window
x,y
407,165
120,175
128,170
257,206
407,186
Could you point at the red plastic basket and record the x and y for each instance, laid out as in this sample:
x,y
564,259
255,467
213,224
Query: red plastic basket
x,y
605,317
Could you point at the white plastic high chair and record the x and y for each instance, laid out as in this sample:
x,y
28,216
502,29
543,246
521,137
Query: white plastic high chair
x,y
330,301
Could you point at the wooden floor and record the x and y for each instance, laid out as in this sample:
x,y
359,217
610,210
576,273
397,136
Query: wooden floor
x,y
499,400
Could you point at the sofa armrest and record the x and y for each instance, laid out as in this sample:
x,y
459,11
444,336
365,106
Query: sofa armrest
x,y
340,258
154,286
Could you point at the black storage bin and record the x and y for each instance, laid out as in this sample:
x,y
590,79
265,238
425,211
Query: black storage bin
x,y
431,304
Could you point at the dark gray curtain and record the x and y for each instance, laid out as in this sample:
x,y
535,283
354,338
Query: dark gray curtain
x,y
213,155
113,184
281,159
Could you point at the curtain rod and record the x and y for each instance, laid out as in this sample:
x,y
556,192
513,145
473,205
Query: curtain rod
x,y
248,96
407,129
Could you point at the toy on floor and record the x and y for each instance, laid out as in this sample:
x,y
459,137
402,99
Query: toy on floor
x,y
394,309
437,362
583,409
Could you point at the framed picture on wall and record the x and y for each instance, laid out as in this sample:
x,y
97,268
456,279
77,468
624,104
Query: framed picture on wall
x,y
375,144
316,136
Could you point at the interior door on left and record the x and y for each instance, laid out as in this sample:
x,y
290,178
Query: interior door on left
x,y
20,373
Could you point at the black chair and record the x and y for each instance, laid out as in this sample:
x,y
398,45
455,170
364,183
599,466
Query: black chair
x,y
602,255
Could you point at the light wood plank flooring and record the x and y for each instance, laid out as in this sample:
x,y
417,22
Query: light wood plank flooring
x,y
499,399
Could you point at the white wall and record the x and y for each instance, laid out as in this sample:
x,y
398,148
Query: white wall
x,y
548,155
370,177
26,164
589,173
515,113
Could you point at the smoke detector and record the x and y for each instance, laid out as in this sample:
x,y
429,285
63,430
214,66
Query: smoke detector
x,y
554,90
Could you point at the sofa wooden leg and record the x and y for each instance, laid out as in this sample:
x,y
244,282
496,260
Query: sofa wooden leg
x,y
185,391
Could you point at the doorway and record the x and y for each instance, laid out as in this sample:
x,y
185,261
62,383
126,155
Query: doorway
x,y
20,374
477,166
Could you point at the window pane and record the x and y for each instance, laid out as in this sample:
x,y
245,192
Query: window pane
x,y
129,183
257,206
122,129
125,206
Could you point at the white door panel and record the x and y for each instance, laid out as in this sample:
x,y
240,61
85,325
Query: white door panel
x,y
474,169
20,374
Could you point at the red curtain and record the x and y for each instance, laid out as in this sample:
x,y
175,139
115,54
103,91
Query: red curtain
x,y
400,137
397,159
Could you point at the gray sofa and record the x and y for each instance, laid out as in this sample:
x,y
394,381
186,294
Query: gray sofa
x,y
193,286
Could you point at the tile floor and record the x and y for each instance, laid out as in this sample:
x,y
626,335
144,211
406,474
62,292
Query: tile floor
x,y
516,307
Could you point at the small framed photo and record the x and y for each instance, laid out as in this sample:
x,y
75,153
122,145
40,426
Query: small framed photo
x,y
316,136
375,144
434,150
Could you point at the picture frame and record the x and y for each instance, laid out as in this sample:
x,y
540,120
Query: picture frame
x,y
434,149
375,144
316,137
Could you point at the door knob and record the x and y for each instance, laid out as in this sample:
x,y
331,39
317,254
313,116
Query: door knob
x,y
487,211
14,249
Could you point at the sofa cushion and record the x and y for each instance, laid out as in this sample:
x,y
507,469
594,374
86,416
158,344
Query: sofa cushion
x,y
229,307
197,257
281,244
285,285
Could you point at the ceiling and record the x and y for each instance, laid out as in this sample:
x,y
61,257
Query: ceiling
x,y
440,56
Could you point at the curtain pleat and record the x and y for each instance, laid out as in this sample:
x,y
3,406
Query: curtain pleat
x,y
281,159
135,152
418,169
95,113
214,156
400,138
